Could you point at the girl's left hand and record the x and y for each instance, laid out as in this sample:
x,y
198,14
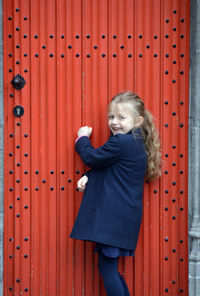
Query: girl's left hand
x,y
82,183
85,131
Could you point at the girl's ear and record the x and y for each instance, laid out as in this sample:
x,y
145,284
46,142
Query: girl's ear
x,y
140,121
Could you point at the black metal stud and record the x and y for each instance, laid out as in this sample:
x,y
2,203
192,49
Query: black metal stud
x,y
18,81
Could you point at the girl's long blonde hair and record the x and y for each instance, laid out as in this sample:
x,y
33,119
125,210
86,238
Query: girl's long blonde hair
x,y
148,131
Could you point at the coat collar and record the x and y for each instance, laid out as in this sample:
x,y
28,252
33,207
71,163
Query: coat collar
x,y
136,131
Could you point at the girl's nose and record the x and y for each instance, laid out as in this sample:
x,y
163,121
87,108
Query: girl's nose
x,y
115,120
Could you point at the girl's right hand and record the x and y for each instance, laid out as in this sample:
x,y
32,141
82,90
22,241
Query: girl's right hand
x,y
84,131
82,183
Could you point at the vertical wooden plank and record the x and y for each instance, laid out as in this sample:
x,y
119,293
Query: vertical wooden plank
x,y
25,125
35,151
9,166
77,122
43,52
62,128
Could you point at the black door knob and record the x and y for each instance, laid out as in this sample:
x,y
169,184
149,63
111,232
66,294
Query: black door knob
x,y
18,81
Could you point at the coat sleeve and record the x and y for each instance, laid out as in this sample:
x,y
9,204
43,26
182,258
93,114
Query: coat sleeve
x,y
87,173
101,157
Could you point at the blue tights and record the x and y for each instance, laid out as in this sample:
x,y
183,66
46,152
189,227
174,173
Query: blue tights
x,y
114,283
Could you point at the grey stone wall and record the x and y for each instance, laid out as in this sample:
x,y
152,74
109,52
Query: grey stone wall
x,y
1,152
194,152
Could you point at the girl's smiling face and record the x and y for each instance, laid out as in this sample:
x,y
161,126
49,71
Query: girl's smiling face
x,y
120,119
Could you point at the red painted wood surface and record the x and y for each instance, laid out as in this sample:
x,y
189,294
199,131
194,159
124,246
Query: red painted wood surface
x,y
74,56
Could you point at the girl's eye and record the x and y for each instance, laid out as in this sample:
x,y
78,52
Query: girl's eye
x,y
121,117
110,117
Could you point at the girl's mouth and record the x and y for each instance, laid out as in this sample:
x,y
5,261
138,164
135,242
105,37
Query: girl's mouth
x,y
116,129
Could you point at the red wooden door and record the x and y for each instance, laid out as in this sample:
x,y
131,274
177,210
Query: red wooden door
x,y
74,56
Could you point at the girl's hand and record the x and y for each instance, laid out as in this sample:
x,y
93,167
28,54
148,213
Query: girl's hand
x,y
82,183
85,131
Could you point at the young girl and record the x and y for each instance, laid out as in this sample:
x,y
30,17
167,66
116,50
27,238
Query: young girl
x,y
111,209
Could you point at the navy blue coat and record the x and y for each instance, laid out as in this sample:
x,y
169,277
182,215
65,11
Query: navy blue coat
x,y
111,208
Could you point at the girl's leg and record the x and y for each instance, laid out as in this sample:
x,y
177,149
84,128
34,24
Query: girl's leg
x,y
108,267
126,291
